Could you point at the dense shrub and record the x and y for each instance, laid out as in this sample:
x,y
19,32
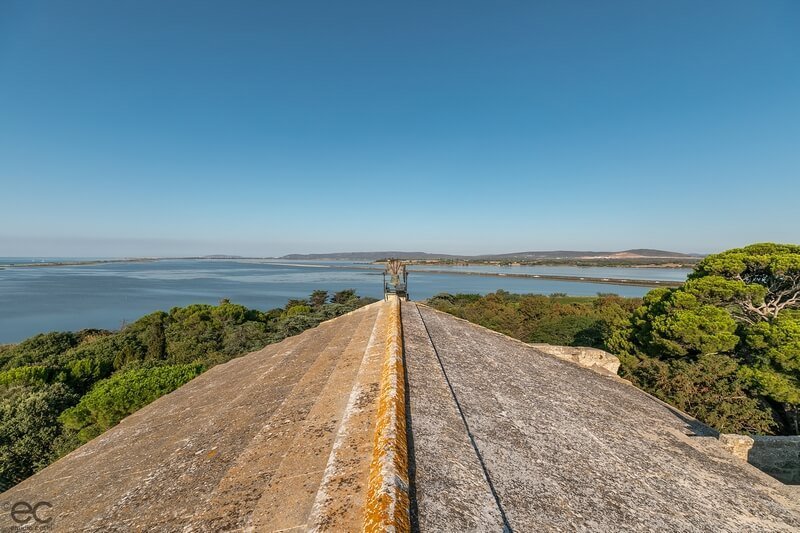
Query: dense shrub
x,y
112,399
26,375
38,348
29,429
561,320
710,388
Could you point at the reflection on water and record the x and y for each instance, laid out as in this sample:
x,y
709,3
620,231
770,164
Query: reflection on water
x,y
35,300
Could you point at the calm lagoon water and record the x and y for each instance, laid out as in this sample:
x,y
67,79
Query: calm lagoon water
x,y
36,300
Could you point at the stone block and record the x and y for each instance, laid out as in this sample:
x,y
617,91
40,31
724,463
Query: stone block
x,y
593,358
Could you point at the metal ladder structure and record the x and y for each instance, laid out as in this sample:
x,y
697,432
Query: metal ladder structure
x,y
397,283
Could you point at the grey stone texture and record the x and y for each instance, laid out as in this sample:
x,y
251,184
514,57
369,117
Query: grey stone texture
x,y
591,358
565,449
777,456
738,445
452,492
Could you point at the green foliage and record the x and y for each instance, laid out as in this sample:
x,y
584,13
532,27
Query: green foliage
x,y
741,305
198,332
297,310
193,330
709,388
557,320
242,338
38,348
113,399
293,325
755,283
344,297
150,333
569,330
29,429
318,298
294,302
26,375
81,374
774,349
674,323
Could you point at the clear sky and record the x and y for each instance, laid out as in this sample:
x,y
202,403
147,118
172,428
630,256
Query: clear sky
x,y
272,127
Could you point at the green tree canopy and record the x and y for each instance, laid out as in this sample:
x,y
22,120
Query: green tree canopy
x,y
744,304
709,387
29,429
674,323
114,398
755,283
345,296
318,298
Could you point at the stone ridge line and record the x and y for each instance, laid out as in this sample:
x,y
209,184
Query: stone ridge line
x,y
387,507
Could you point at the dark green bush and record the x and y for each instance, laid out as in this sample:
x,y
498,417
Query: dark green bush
x,y
112,399
29,429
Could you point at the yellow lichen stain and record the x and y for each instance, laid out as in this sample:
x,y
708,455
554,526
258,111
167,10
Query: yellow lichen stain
x,y
387,506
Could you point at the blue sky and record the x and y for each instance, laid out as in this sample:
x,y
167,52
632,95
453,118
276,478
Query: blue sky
x,y
264,128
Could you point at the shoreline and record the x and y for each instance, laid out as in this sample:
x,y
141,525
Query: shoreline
x,y
375,267
582,263
574,279
88,262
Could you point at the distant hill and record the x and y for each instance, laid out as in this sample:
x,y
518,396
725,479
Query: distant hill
x,y
639,253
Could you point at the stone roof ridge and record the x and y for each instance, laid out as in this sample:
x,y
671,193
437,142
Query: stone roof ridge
x,y
399,417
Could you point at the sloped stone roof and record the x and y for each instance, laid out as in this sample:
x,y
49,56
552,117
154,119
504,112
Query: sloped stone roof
x,y
506,436
499,436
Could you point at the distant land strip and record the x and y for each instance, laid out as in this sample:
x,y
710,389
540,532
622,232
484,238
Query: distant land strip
x,y
633,254
76,263
579,279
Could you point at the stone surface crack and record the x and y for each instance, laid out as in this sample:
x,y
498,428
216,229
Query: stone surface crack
x,y
506,525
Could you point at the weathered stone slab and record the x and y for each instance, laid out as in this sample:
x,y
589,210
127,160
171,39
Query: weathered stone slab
x,y
778,457
591,358
569,449
452,492
738,445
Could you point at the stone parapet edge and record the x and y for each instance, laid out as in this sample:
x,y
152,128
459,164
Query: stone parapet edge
x,y
387,504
